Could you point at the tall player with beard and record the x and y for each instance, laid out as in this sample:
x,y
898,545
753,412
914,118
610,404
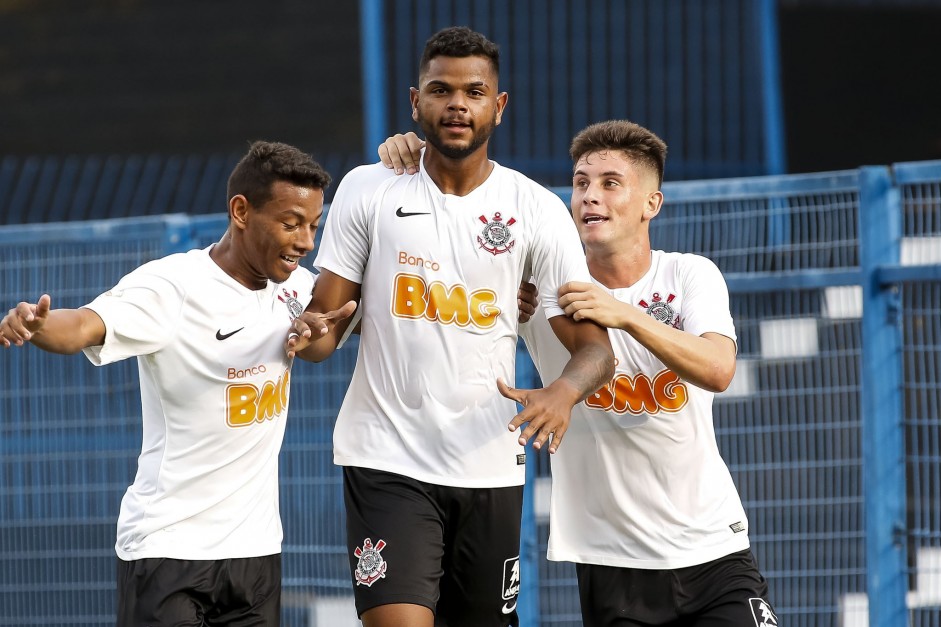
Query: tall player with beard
x,y
199,531
432,474
642,501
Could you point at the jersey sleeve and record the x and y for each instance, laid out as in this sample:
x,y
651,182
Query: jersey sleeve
x,y
344,247
706,309
140,314
557,255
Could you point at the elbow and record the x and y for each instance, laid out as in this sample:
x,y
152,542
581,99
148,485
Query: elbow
x,y
721,377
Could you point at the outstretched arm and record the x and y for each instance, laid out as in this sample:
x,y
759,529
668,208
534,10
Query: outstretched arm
x,y
316,333
548,410
707,361
64,331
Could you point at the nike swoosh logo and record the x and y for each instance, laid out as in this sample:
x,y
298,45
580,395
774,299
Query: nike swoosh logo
x,y
220,336
405,214
507,608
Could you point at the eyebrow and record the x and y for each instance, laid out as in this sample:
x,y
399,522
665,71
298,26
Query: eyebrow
x,y
442,83
606,173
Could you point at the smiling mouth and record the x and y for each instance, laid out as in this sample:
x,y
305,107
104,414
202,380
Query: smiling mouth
x,y
290,259
594,219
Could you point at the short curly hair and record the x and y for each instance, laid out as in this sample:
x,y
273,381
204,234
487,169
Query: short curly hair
x,y
459,41
641,145
269,162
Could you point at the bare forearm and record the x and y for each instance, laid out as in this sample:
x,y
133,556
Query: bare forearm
x,y
320,348
590,368
67,331
703,362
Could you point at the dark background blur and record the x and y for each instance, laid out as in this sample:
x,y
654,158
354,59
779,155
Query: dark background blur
x,y
859,80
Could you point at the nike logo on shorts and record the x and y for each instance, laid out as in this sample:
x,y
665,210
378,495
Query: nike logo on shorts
x,y
405,214
507,608
223,336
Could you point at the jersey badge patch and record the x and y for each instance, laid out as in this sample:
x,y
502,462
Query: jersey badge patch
x,y
764,615
370,567
496,237
661,310
290,301
511,583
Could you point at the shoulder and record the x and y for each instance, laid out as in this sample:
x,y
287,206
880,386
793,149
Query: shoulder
x,y
371,175
525,187
689,266
177,267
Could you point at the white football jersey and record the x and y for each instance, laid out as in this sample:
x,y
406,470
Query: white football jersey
x,y
638,481
215,385
440,276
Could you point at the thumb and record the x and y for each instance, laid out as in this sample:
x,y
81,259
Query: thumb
x,y
346,310
511,393
43,306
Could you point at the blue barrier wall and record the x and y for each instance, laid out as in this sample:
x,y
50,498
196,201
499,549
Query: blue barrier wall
x,y
807,420
704,75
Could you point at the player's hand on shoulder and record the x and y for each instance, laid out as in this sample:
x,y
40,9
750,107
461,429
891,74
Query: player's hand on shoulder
x,y
401,152
587,301
23,321
311,325
527,301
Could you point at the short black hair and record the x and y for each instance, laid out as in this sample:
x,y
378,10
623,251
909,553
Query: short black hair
x,y
639,144
459,42
268,162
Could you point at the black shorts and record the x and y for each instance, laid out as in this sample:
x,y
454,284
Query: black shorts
x,y
453,550
727,592
163,591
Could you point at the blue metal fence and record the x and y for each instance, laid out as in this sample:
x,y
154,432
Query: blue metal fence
x,y
56,188
831,426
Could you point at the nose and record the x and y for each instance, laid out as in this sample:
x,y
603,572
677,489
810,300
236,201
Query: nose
x,y
591,196
305,239
457,102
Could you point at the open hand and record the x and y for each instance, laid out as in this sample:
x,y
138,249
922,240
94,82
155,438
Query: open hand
x,y
547,410
23,321
310,325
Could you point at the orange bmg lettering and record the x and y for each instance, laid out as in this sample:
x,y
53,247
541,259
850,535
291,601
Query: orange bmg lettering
x,y
413,298
639,394
245,404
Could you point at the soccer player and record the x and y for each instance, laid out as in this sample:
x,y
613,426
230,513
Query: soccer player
x,y
199,531
642,501
432,474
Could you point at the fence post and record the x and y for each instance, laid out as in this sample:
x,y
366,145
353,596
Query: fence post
x,y
882,427
374,54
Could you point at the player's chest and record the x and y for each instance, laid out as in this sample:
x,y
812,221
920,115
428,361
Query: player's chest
x,y
476,243
229,327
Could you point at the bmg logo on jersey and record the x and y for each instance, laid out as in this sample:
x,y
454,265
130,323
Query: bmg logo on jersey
x,y
246,404
640,394
413,298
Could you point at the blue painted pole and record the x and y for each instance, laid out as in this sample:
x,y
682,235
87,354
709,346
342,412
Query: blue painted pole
x,y
373,52
528,605
779,225
883,439
771,87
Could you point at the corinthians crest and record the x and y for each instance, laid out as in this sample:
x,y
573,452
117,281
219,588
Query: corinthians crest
x,y
290,300
661,309
496,237
370,566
